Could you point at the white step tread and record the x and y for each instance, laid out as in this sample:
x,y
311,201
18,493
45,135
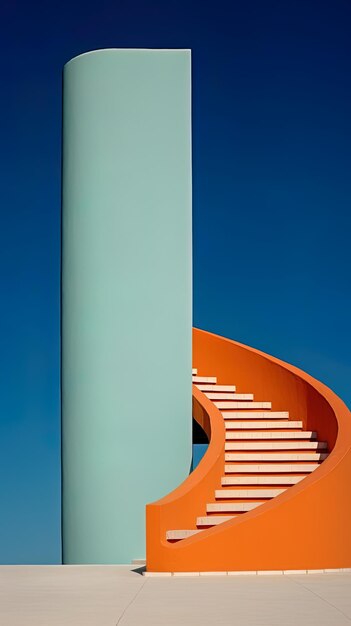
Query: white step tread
x,y
225,388
241,404
266,468
213,520
260,480
275,456
205,379
276,445
181,534
215,395
269,434
256,415
265,425
232,507
247,493
194,372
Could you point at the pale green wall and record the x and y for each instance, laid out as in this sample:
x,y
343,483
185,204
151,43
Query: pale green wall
x,y
126,295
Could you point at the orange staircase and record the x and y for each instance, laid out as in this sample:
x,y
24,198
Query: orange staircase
x,y
265,454
273,489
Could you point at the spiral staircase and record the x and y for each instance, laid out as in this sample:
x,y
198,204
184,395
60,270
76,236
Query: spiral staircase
x,y
272,492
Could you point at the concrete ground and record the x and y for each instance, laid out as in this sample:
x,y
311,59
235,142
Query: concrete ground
x,y
117,595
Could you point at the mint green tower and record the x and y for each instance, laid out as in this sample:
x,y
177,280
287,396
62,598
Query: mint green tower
x,y
126,295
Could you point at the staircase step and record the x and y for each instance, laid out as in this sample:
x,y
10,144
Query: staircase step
x,y
263,457
266,425
194,372
276,445
242,405
268,434
175,535
215,395
213,520
247,493
232,507
205,379
224,388
274,468
256,415
260,480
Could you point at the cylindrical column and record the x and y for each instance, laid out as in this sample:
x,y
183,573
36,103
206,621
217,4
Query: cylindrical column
x,y
126,295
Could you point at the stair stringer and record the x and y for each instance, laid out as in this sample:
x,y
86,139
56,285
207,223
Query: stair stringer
x,y
307,526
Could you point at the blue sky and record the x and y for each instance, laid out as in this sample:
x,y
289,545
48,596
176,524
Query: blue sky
x,y
272,219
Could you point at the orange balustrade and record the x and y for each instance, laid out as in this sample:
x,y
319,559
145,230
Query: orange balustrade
x,y
307,526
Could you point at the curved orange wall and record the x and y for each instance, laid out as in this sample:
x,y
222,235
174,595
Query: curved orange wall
x,y
306,527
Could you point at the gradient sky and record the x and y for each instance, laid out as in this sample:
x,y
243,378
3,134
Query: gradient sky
x,y
271,158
